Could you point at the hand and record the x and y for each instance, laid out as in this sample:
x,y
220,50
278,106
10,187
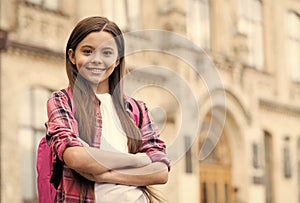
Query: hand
x,y
87,175
105,177
142,159
99,178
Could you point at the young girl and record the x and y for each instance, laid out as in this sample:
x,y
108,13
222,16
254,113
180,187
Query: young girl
x,y
104,156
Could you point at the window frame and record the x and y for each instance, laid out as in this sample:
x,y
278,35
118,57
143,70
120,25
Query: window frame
x,y
251,25
293,45
43,4
122,13
31,129
196,20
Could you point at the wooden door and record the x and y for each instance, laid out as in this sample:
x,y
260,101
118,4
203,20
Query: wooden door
x,y
215,175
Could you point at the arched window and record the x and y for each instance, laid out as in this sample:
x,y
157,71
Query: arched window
x,y
32,119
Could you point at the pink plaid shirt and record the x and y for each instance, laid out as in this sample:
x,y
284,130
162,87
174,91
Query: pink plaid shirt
x,y
62,132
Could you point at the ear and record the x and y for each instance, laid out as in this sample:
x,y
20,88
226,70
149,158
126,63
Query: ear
x,y
71,55
117,62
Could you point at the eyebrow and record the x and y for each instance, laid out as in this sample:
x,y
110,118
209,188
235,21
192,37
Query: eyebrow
x,y
92,47
87,46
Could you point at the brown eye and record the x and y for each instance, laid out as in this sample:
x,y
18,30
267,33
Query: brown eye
x,y
107,52
87,51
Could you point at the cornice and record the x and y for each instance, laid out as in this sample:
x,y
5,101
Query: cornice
x,y
279,107
146,77
34,49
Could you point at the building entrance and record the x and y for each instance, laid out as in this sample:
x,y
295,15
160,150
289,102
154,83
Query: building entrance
x,y
216,174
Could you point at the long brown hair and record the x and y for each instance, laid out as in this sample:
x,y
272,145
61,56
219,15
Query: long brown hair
x,y
84,97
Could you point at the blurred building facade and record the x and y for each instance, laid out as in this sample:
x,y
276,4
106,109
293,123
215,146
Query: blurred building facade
x,y
255,46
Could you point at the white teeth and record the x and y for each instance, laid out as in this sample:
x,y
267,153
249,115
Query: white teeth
x,y
95,70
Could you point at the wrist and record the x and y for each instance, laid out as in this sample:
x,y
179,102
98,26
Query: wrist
x,y
103,177
142,159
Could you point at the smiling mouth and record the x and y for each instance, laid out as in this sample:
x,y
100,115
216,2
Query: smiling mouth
x,y
96,70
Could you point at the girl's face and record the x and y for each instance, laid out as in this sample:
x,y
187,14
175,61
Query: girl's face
x,y
96,57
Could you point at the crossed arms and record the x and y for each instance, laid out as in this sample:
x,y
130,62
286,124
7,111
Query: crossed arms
x,y
104,166
114,167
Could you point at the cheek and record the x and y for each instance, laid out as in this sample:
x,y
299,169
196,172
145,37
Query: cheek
x,y
81,61
109,71
110,61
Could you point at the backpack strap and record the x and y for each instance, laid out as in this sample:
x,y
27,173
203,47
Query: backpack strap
x,y
136,110
70,102
140,112
135,107
57,170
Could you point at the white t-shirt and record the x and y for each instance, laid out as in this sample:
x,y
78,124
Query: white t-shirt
x,y
113,138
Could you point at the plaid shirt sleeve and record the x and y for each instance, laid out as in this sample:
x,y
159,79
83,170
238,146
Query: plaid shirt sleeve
x,y
152,145
61,128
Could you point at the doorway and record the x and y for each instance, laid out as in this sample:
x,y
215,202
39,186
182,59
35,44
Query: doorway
x,y
216,173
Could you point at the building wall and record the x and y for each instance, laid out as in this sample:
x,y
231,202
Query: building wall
x,y
262,96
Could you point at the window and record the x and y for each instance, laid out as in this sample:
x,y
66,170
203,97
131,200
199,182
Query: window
x,y
215,197
125,13
251,25
287,162
51,4
32,119
188,154
48,4
268,167
293,45
255,156
198,22
133,14
204,193
287,158
298,169
39,2
226,194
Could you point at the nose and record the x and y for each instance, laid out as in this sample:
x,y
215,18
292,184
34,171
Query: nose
x,y
96,58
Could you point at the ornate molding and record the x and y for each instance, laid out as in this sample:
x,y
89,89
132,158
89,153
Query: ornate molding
x,y
146,77
35,49
36,27
278,107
